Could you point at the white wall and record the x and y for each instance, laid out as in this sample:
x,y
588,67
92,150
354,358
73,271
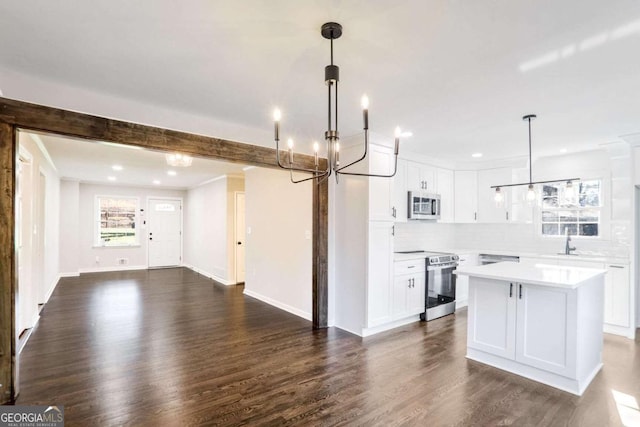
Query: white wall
x,y
208,224
69,213
279,250
82,247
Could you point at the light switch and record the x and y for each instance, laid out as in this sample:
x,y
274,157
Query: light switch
x,y
307,234
248,230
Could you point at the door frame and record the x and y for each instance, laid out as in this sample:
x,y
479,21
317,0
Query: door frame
x,y
146,220
16,115
235,235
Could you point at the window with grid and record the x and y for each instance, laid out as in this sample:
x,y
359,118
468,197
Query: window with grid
x,y
116,221
575,211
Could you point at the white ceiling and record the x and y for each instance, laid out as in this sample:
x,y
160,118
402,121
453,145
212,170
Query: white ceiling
x,y
459,74
89,161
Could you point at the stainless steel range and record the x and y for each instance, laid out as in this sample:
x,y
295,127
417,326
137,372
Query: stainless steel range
x,y
440,286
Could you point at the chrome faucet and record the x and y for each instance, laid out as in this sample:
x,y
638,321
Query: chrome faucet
x,y
567,247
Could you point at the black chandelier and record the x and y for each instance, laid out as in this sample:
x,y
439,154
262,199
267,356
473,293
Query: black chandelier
x,y
332,31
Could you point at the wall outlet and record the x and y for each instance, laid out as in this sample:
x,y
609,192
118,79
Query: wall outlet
x,y
97,260
123,261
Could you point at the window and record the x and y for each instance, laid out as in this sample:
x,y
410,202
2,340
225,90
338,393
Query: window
x,y
575,212
116,221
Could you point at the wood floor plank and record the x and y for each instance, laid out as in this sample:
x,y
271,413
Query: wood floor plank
x,y
171,347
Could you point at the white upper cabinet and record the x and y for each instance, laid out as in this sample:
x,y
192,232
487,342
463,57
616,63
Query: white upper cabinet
x,y
381,190
465,196
421,177
445,188
400,192
488,211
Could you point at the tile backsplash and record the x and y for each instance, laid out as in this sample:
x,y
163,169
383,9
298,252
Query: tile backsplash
x,y
499,237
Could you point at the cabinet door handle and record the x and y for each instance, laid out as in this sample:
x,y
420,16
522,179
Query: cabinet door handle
x,y
393,211
616,266
393,230
411,266
507,216
510,290
475,216
520,296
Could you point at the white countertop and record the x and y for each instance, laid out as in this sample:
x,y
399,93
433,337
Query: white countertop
x,y
575,257
540,274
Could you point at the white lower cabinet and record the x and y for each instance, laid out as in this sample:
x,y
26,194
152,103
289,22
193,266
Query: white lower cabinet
x,y
380,273
462,282
533,325
616,296
408,288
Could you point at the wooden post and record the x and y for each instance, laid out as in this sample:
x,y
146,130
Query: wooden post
x,y
320,254
7,262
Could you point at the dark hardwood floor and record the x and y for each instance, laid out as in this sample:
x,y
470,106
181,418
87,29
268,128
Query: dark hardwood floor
x,y
170,347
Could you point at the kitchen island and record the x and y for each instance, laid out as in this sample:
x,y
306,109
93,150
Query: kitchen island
x,y
543,322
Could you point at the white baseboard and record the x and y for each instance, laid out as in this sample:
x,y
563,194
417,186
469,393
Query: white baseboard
x,y
209,275
278,304
385,327
349,330
619,330
115,268
74,274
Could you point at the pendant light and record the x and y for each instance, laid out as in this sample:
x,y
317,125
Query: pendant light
x,y
531,195
332,31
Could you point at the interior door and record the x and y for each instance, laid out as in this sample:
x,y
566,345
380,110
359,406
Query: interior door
x,y
240,234
164,221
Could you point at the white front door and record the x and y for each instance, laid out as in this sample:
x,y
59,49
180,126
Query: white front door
x,y
164,222
240,237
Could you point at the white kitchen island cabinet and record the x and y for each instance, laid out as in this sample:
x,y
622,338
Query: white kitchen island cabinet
x,y
543,322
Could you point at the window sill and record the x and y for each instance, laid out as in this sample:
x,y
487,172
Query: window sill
x,y
115,246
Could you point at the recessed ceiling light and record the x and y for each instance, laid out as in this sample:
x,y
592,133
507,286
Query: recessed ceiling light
x,y
476,155
563,150
116,167
156,182
172,173
111,178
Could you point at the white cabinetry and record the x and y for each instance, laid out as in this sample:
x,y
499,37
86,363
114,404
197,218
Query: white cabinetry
x,y
462,281
400,192
408,288
381,196
488,211
445,188
421,177
617,296
379,273
465,196
537,331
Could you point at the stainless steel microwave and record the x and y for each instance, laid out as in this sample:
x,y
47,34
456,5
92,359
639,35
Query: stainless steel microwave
x,y
423,205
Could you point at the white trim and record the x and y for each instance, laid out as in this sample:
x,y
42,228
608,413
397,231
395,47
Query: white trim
x,y
72,274
573,386
209,275
146,225
116,268
391,325
628,332
278,304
